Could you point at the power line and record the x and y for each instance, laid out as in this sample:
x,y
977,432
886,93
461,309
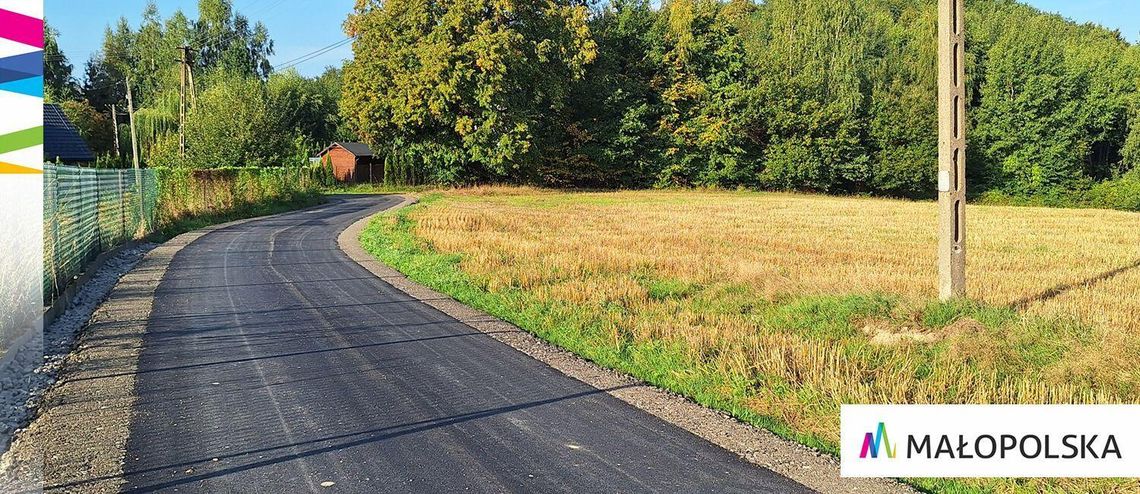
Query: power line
x,y
213,40
252,3
308,56
284,66
268,7
311,55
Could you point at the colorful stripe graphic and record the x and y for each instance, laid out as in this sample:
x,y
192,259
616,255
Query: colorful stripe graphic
x,y
10,169
21,76
22,29
23,66
32,86
21,139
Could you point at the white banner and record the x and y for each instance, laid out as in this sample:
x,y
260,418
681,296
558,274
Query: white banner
x,y
990,440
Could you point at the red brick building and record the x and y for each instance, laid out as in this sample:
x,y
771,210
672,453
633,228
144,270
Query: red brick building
x,y
353,162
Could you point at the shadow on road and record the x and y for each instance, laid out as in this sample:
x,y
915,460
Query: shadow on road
x,y
290,354
340,441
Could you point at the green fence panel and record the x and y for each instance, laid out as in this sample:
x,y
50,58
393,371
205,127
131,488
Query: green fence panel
x,y
89,211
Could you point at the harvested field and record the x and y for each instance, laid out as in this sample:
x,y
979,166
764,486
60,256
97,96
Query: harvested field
x,y
779,307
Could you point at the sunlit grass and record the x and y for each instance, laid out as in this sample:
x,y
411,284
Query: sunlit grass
x,y
780,307
194,199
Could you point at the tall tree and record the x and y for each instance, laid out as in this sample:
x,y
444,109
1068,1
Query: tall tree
x,y
902,116
307,107
462,86
59,85
226,40
234,124
1036,125
605,137
815,58
704,90
103,84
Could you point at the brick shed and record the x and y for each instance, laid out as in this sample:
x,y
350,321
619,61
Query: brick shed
x,y
353,162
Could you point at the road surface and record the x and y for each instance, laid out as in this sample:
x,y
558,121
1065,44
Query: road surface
x,y
274,363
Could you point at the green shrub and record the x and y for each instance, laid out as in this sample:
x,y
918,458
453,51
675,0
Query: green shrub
x,y
185,193
1122,193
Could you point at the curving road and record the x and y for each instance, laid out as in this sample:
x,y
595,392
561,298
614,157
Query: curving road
x,y
274,363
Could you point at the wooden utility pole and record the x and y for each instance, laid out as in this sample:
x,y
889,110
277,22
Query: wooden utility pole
x,y
135,153
183,64
131,117
190,74
951,149
115,129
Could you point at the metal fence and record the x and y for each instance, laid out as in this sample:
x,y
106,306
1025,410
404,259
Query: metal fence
x,y
88,211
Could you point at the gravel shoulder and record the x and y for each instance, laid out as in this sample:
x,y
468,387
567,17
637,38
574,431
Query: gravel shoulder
x,y
77,438
811,468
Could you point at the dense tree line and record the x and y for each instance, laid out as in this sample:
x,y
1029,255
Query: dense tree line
x,y
242,112
818,95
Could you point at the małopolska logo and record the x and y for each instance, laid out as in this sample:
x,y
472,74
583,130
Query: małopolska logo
x,y
872,443
990,441
986,446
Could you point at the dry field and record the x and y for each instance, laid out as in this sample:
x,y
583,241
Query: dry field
x,y
798,303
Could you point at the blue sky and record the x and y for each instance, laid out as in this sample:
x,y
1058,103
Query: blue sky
x,y
299,27
1113,14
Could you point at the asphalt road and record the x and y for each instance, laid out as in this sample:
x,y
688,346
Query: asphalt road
x,y
274,363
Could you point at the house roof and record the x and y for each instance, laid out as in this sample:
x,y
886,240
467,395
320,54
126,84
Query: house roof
x,y
62,139
358,149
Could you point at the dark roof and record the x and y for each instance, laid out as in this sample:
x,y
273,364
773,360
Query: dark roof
x,y
62,139
358,149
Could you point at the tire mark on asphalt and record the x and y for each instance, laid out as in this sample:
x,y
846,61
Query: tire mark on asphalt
x,y
257,363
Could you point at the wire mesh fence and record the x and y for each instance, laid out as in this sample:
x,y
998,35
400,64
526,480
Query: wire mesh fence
x,y
88,211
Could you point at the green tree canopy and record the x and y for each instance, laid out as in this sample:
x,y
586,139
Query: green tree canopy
x,y
283,117
462,86
235,124
59,85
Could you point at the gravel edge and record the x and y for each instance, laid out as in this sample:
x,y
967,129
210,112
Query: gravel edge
x,y
78,441
29,370
816,470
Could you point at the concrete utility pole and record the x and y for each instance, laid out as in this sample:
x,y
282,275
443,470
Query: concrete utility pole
x,y
951,149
